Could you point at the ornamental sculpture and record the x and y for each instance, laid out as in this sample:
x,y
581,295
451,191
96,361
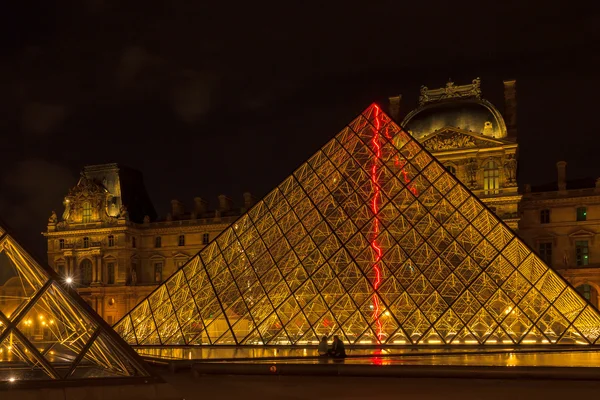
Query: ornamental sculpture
x,y
450,91
510,170
455,141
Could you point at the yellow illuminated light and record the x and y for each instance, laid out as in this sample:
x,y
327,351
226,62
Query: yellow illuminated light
x,y
349,174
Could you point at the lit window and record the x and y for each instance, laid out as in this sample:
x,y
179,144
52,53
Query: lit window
x,y
545,252
545,217
581,213
111,241
61,244
110,268
181,241
86,242
206,238
491,177
157,242
87,212
133,243
582,252
158,267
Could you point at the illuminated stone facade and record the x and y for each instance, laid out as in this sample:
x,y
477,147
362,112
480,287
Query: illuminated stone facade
x,y
111,244
472,139
561,221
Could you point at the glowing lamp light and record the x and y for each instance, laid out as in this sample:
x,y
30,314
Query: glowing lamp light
x,y
12,379
69,280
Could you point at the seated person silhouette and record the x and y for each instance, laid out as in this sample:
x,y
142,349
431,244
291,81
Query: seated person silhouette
x,y
337,348
323,348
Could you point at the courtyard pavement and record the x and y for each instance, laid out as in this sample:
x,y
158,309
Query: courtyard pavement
x,y
354,388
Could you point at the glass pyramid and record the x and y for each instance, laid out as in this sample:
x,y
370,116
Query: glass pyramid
x,y
48,333
373,240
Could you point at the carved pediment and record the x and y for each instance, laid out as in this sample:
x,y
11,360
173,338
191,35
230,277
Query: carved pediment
x,y
581,233
450,139
87,187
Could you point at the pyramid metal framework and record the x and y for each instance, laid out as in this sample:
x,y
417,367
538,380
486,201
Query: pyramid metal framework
x,y
48,333
373,240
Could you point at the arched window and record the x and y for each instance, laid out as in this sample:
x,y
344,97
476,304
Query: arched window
x,y
85,272
491,177
87,212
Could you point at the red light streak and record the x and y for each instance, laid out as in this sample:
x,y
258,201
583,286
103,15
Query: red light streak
x,y
375,209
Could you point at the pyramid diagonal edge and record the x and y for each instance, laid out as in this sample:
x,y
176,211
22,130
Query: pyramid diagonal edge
x,y
48,333
371,239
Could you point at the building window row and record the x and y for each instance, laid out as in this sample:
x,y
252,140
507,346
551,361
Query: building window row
x,y
545,215
582,253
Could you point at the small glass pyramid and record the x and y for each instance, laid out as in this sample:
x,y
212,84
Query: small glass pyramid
x,y
373,240
48,333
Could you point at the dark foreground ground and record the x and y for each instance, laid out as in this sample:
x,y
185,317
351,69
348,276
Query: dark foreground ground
x,y
314,387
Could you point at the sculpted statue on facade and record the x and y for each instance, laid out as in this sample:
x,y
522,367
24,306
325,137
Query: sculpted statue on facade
x,y
67,213
471,169
53,218
423,97
510,170
124,214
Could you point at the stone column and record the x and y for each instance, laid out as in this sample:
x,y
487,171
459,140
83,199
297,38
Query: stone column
x,y
94,267
101,274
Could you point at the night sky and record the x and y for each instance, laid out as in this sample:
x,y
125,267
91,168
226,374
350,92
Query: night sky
x,y
225,97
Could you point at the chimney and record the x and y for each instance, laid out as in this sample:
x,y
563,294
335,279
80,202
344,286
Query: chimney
x,y
510,107
177,209
225,203
395,107
561,167
200,206
249,200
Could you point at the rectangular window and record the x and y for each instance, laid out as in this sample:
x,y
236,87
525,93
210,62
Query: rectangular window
x,y
545,251
111,241
109,319
158,267
179,263
157,242
110,269
582,252
60,268
491,178
133,243
581,213
86,242
545,217
206,238
86,215
181,241
61,244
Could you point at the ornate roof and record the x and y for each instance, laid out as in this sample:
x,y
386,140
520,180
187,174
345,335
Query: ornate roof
x,y
460,107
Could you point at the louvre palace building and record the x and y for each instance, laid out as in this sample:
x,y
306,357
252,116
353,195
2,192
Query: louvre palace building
x,y
109,241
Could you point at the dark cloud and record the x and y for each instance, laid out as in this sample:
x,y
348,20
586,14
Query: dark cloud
x,y
31,189
210,97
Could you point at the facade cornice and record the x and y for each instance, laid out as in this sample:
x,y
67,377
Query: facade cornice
x,y
532,202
